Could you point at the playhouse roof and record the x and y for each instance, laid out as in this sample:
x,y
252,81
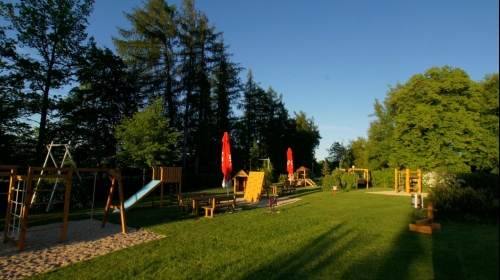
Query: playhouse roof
x,y
241,173
302,168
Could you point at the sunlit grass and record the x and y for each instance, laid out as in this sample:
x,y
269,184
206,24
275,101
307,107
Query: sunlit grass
x,y
352,235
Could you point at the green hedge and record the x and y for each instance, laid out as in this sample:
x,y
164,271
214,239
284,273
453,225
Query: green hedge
x,y
479,180
343,180
382,178
463,203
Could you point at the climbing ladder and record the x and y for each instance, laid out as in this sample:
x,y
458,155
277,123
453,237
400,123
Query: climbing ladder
x,y
408,180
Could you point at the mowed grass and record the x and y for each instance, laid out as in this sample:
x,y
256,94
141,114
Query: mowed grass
x,y
353,235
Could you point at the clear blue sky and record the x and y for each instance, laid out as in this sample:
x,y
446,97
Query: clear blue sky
x,y
332,59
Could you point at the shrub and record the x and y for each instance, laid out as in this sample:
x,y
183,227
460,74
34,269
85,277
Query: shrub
x,y
441,178
480,180
343,180
349,181
328,182
283,178
382,178
463,203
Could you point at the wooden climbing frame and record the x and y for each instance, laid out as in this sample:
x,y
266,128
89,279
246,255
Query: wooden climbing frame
x,y
35,173
408,180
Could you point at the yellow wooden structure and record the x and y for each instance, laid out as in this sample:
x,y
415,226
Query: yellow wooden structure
x,y
409,181
255,186
24,201
426,225
172,176
365,179
240,182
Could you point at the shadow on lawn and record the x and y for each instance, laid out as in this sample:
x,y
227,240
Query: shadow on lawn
x,y
286,267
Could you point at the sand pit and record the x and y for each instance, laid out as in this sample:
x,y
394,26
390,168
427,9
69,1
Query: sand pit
x,y
85,240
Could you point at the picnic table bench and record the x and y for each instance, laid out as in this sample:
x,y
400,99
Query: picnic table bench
x,y
186,199
219,202
290,189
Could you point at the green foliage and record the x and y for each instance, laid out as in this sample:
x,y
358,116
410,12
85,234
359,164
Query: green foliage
x,y
439,119
328,182
382,178
51,35
349,181
457,203
268,169
146,140
343,180
326,168
378,145
481,180
282,178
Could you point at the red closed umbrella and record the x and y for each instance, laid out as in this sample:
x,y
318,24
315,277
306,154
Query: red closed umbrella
x,y
226,164
289,164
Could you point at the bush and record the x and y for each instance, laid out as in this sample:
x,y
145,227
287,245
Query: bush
x,y
328,182
349,181
283,178
343,180
480,180
382,178
463,203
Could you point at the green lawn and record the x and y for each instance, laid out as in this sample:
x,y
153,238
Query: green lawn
x,y
353,235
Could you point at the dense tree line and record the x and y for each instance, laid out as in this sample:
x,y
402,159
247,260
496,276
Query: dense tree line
x,y
440,119
170,55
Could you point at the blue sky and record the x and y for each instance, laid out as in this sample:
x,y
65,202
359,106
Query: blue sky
x,y
332,59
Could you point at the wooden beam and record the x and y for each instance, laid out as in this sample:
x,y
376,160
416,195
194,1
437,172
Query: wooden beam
x,y
421,229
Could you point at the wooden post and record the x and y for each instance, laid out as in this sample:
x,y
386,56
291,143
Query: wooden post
x,y
25,210
108,202
407,181
67,199
396,180
419,172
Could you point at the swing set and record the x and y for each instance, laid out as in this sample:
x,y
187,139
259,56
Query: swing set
x,y
20,199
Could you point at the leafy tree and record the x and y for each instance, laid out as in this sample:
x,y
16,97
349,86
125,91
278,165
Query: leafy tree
x,y
146,140
378,145
489,121
357,149
55,31
437,122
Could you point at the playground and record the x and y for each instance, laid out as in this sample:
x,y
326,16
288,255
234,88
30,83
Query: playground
x,y
305,240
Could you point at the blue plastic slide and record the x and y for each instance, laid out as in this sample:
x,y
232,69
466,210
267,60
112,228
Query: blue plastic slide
x,y
142,193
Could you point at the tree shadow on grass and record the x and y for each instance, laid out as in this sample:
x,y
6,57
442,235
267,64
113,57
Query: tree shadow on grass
x,y
313,260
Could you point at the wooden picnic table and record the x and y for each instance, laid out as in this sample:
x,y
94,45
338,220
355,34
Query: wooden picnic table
x,y
284,188
274,187
197,199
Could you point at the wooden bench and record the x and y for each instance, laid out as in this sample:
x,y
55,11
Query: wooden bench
x,y
185,201
219,202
